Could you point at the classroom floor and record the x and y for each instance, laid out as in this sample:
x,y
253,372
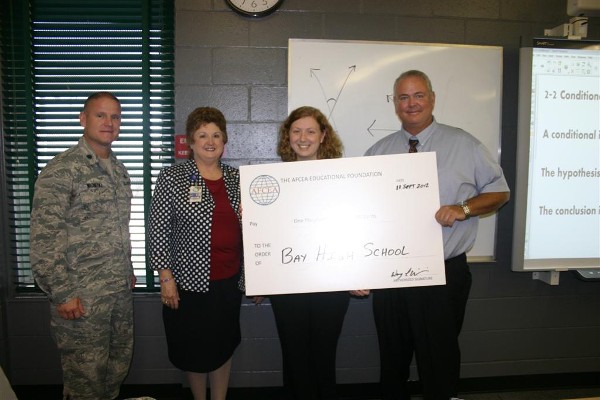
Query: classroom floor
x,y
347,392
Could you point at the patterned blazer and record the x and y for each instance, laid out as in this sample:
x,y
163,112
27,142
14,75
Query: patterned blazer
x,y
180,230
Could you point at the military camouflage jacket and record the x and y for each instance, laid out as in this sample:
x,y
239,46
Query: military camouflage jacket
x,y
80,226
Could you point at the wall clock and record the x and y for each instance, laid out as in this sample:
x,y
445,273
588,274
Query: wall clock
x,y
254,8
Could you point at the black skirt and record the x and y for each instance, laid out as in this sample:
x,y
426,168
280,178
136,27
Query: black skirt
x,y
204,332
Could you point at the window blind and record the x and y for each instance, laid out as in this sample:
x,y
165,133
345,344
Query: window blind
x,y
62,51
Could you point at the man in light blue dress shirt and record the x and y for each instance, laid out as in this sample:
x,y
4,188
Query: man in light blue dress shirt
x,y
427,320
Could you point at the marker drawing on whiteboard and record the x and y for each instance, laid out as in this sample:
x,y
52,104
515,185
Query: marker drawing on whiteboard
x,y
331,101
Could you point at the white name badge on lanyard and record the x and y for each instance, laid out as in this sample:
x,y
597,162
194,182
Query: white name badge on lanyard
x,y
195,194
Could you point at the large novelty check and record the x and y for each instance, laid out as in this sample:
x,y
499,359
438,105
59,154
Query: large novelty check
x,y
342,224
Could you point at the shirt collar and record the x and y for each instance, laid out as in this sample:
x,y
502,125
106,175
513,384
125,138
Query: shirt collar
x,y
90,154
422,136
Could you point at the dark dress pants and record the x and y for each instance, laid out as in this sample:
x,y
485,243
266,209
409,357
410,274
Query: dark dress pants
x,y
309,326
425,321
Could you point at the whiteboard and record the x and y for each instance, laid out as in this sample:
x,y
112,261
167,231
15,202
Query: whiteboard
x,y
352,83
557,214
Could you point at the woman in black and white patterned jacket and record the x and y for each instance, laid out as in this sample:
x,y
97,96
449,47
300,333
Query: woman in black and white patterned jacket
x,y
196,247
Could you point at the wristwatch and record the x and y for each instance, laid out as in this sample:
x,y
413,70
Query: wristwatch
x,y
465,208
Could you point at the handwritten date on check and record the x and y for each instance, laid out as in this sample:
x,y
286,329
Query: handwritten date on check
x,y
342,224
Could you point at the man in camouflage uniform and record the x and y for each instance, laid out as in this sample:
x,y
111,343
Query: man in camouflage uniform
x,y
81,254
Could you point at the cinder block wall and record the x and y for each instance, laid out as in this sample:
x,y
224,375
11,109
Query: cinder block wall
x,y
514,325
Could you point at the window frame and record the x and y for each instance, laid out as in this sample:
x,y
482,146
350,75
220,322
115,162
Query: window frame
x,y
131,43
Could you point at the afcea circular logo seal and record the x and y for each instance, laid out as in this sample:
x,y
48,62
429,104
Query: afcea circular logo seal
x,y
264,190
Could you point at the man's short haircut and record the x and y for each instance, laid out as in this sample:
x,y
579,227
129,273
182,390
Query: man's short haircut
x,y
99,95
417,74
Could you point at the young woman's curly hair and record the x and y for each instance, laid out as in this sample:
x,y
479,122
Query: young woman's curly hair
x,y
331,147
